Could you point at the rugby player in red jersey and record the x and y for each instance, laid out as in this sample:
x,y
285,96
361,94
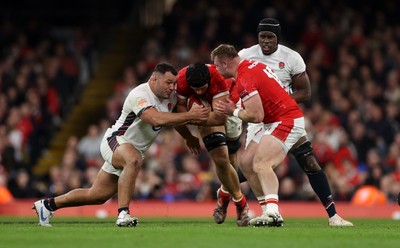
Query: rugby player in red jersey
x,y
220,134
266,101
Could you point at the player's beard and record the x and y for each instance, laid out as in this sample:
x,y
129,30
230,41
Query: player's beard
x,y
167,94
266,49
225,74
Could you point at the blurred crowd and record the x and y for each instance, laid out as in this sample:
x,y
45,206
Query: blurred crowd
x,y
42,70
352,55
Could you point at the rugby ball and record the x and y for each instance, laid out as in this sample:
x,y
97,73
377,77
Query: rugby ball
x,y
196,100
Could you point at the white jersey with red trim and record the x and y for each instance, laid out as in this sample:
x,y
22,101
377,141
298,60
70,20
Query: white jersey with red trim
x,y
285,62
139,133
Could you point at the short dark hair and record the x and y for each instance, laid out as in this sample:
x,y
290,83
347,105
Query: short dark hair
x,y
198,75
224,50
165,67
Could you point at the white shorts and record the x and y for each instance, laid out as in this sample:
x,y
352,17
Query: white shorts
x,y
288,132
107,153
233,125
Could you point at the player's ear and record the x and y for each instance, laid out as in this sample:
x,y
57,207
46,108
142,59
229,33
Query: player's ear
x,y
153,77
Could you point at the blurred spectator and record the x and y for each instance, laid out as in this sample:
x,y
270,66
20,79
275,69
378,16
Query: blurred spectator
x,y
15,135
21,186
390,183
89,145
362,140
376,168
128,82
148,184
343,170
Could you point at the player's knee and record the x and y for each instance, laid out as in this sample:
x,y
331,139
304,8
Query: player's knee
x,y
261,167
305,158
135,164
214,140
97,198
233,145
100,200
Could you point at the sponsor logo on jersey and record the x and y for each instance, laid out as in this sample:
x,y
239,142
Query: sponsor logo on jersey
x,y
281,65
141,102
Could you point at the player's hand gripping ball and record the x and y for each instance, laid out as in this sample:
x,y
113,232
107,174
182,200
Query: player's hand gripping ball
x,y
196,100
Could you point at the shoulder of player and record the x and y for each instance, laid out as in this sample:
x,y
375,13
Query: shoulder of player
x,y
245,69
181,77
216,77
288,51
213,69
248,51
244,63
141,91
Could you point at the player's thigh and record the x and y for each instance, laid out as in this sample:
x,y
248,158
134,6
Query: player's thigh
x,y
303,139
207,130
269,152
105,185
126,154
246,158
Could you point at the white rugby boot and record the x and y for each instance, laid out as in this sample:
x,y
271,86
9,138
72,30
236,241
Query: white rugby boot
x,y
268,219
336,220
43,213
125,220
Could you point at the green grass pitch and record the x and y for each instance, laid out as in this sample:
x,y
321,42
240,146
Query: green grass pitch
x,y
195,232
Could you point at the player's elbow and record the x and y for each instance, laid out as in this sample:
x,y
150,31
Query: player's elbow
x,y
256,117
304,95
307,95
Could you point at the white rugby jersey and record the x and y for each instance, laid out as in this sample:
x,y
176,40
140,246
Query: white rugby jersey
x,y
285,62
139,133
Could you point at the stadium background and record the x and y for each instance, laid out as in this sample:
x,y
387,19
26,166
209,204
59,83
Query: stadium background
x,y
66,67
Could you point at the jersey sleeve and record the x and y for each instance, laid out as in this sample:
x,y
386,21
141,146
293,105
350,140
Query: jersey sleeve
x,y
219,86
242,53
246,53
138,102
297,64
252,52
247,86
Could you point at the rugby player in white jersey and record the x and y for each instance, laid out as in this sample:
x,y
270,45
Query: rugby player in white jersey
x,y
146,110
290,68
